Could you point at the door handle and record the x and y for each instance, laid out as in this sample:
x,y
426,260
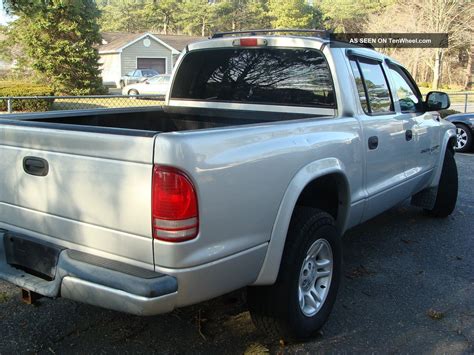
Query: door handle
x,y
373,142
35,166
408,135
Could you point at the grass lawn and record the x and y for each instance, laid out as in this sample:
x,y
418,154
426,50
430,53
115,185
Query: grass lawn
x,y
453,98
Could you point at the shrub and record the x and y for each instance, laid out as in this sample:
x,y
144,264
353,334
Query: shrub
x,y
13,88
444,113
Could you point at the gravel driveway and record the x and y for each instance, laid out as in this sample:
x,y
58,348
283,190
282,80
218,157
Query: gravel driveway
x,y
408,287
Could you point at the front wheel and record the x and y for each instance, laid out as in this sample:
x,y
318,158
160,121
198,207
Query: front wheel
x,y
299,303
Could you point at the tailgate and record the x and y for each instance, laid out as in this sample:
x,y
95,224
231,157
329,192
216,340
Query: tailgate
x,y
82,189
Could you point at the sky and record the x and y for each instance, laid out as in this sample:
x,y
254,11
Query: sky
x,y
4,18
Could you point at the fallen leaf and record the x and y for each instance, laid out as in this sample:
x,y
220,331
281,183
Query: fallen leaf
x,y
256,348
359,271
434,314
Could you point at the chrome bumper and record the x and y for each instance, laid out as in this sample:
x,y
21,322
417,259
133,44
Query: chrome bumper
x,y
97,281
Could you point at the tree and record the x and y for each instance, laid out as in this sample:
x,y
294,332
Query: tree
x,y
11,51
59,37
162,15
291,14
350,15
122,16
197,16
455,17
258,15
469,73
232,15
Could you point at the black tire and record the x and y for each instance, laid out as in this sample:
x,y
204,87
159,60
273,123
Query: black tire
x,y
463,134
447,194
132,93
275,309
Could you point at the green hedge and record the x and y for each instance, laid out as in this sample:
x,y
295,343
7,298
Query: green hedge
x,y
12,88
444,113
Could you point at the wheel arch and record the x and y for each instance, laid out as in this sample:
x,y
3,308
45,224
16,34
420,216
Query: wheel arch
x,y
313,178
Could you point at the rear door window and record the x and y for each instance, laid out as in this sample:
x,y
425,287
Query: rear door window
x,y
370,76
378,93
281,76
360,85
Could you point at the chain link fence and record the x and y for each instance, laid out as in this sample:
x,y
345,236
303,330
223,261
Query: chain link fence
x,y
460,101
20,104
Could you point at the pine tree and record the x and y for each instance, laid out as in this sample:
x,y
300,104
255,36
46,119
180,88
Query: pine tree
x,y
292,14
60,37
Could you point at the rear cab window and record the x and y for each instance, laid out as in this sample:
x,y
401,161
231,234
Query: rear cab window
x,y
271,76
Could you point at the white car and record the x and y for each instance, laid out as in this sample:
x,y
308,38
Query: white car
x,y
157,85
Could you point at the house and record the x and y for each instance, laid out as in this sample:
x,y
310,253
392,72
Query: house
x,y
121,53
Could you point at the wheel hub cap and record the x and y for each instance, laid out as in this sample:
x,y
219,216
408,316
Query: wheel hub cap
x,y
315,277
461,138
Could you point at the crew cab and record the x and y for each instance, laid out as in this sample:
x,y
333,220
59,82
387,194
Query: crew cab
x,y
268,149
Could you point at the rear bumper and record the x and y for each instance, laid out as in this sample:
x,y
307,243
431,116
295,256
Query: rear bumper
x,y
97,281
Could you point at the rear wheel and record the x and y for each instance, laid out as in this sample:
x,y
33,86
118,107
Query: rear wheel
x,y
299,303
447,193
464,138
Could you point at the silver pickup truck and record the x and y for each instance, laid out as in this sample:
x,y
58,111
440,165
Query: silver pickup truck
x,y
269,148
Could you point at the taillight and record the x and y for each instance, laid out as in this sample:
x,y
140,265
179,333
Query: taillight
x,y
174,205
249,42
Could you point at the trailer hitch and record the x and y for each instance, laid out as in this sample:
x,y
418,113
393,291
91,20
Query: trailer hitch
x,y
30,297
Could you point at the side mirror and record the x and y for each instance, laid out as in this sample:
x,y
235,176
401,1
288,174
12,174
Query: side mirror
x,y
437,100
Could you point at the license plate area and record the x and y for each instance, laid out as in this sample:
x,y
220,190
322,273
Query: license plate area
x,y
32,256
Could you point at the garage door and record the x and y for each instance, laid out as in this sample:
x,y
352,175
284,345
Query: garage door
x,y
159,64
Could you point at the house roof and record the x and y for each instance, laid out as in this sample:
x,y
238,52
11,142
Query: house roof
x,y
179,42
116,41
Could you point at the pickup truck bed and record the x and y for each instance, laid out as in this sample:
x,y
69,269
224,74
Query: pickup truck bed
x,y
99,175
154,119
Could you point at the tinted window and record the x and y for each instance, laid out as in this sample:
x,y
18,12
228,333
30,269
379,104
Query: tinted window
x,y
405,91
360,85
376,87
257,75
